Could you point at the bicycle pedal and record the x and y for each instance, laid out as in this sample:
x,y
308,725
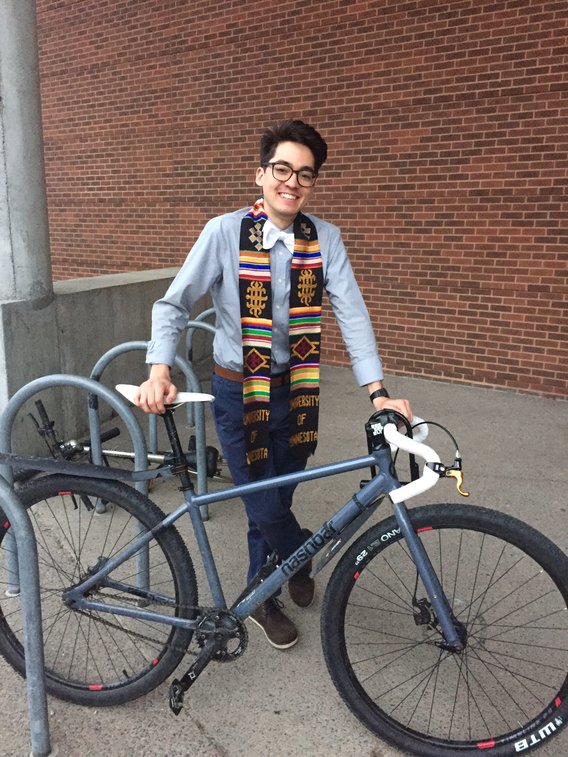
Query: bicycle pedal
x,y
179,687
176,697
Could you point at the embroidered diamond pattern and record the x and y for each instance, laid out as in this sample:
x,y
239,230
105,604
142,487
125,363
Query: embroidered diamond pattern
x,y
304,347
255,236
254,361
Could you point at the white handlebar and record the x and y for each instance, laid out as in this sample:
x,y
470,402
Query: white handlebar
x,y
420,429
428,479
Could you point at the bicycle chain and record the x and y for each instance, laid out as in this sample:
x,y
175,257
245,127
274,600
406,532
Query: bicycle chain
x,y
204,611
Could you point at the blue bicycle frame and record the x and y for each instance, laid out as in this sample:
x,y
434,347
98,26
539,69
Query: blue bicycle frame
x,y
363,501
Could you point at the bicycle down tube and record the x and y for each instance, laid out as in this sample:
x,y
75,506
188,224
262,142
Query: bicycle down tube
x,y
366,498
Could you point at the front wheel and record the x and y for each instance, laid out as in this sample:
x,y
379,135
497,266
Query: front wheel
x,y
507,585
95,657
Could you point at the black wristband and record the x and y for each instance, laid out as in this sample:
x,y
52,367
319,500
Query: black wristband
x,y
378,393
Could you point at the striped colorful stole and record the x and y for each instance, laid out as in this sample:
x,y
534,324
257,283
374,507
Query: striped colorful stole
x,y
306,290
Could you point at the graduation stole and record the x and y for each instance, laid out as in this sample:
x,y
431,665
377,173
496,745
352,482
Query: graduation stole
x,y
306,289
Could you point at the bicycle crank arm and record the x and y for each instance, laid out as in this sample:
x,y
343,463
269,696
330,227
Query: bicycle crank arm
x,y
179,687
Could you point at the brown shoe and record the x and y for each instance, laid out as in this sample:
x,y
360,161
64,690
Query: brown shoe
x,y
278,629
302,587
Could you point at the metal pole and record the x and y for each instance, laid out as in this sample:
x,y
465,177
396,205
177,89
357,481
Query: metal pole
x,y
22,529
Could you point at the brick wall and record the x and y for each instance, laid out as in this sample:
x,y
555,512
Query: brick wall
x,y
446,123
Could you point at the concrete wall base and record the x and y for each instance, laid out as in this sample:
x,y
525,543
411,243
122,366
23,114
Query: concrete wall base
x,y
68,333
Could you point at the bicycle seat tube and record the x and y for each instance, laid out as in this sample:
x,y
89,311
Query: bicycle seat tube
x,y
180,468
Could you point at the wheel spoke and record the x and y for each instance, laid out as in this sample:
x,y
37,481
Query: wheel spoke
x,y
390,665
92,656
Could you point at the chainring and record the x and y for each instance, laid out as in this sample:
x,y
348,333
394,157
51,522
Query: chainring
x,y
231,633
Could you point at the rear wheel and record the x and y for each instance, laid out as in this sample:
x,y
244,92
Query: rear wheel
x,y
94,657
507,585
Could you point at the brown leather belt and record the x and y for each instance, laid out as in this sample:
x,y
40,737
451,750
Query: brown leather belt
x,y
280,380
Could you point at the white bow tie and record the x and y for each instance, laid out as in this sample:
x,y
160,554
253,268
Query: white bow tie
x,y
271,234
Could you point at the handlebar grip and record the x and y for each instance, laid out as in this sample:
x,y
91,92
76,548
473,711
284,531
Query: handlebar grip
x,y
414,446
43,416
420,429
104,437
112,433
428,479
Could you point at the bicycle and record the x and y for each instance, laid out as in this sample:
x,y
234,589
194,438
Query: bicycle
x,y
443,627
71,449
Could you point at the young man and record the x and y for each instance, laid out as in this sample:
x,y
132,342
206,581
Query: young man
x,y
266,269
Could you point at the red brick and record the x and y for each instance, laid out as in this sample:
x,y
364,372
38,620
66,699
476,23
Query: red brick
x,y
447,172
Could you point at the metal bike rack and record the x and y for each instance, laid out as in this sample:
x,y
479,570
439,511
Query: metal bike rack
x,y
192,326
95,390
22,560
197,322
193,385
28,572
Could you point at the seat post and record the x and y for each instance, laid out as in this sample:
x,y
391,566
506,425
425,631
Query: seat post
x,y
179,464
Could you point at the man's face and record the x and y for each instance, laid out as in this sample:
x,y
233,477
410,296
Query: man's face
x,y
284,199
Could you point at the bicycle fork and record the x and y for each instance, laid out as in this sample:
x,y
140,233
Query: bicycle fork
x,y
453,631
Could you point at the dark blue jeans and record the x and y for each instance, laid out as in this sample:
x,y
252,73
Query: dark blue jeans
x,y
271,523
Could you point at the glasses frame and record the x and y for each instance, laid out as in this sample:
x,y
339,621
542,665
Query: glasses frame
x,y
292,171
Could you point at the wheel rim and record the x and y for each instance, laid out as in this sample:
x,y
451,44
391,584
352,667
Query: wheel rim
x,y
513,669
92,651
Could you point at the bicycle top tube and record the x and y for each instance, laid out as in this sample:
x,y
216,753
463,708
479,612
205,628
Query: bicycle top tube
x,y
274,482
391,434
397,493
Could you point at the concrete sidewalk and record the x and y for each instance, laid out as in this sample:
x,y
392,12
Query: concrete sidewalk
x,y
283,704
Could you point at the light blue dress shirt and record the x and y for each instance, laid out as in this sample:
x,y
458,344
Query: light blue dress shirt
x,y
212,265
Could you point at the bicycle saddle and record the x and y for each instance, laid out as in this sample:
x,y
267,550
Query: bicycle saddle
x,y
128,391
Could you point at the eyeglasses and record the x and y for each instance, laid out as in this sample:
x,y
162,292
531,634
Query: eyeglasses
x,y
282,172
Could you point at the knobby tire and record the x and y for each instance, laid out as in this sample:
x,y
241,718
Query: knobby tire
x,y
98,658
506,693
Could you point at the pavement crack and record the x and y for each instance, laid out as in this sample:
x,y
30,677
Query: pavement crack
x,y
222,752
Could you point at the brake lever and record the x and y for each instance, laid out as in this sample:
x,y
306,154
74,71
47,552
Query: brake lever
x,y
454,471
457,473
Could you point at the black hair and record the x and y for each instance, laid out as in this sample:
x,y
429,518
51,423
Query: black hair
x,y
293,131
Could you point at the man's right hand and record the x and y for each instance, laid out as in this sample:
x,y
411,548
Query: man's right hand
x,y
157,391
